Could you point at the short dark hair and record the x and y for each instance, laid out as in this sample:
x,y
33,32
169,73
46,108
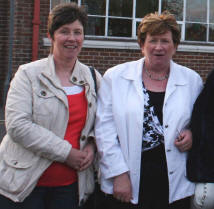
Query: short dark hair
x,y
156,24
64,14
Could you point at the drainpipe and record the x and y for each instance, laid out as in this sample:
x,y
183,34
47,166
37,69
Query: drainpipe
x,y
10,53
36,23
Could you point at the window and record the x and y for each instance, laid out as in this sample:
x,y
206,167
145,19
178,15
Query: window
x,y
118,19
55,2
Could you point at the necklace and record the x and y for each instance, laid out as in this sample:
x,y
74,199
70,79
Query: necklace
x,y
155,79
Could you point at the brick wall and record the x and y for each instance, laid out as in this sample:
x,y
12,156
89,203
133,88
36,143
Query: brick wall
x,y
4,33
23,31
44,11
22,48
203,63
101,59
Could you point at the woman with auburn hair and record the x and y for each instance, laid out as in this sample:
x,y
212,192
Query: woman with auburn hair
x,y
142,120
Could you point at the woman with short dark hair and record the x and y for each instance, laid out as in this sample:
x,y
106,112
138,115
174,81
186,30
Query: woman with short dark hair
x,y
46,157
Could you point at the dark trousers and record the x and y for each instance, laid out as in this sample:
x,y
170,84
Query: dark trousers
x,y
154,186
64,197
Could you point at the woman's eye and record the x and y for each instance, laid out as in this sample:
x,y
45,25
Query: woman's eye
x,y
165,41
64,32
78,32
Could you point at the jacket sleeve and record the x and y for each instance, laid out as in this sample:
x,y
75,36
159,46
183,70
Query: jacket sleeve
x,y
112,162
206,107
200,157
21,128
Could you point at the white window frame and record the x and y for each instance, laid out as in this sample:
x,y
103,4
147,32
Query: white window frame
x,y
135,20
118,42
206,23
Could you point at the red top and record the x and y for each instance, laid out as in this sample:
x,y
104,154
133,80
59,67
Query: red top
x,y
59,174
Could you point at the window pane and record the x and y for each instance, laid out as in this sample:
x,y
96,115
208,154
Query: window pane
x,y
175,7
195,32
95,7
55,2
96,26
144,7
180,27
137,24
196,10
211,36
120,27
121,8
211,11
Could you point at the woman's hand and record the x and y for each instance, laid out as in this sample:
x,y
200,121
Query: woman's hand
x,y
122,188
184,140
76,158
89,151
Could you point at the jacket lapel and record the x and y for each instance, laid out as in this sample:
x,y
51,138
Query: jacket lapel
x,y
50,80
175,80
134,74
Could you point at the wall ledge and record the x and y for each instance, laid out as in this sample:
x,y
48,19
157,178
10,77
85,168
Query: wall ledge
x,y
104,44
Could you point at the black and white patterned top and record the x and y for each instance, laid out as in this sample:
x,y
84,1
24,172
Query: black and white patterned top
x,y
152,125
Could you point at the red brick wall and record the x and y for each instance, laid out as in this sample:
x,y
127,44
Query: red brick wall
x,y
23,31
4,38
101,59
203,63
22,48
44,11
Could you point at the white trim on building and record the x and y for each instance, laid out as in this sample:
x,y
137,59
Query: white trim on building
x,y
134,45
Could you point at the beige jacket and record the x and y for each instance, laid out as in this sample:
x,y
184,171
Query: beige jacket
x,y
36,121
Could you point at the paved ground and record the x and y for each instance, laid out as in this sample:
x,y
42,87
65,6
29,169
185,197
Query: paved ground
x,y
2,127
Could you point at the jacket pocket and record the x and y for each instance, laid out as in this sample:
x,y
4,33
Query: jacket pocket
x,y
45,105
15,174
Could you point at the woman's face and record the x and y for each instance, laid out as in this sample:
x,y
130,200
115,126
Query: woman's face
x,y
68,40
158,50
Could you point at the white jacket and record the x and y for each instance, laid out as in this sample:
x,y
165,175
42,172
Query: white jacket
x,y
119,125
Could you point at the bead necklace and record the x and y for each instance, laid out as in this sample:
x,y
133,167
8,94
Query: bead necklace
x,y
155,79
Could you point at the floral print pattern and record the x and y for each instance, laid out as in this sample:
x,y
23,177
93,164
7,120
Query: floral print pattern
x,y
152,129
